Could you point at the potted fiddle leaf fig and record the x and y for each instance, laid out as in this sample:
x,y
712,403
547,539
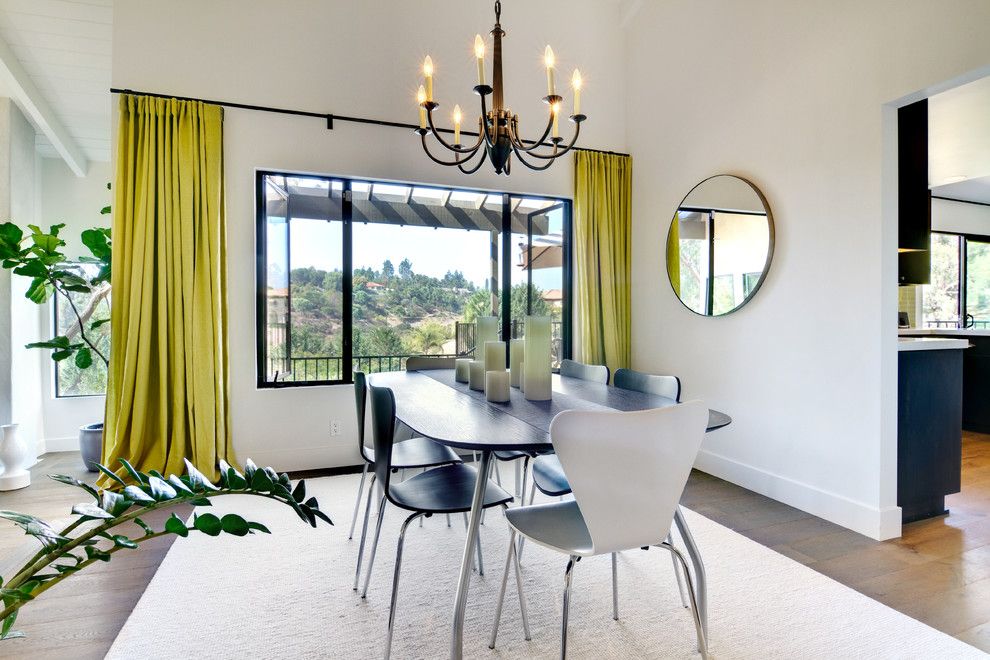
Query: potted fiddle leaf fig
x,y
37,254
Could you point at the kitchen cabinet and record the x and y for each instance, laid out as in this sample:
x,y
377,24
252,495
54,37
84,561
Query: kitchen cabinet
x,y
914,199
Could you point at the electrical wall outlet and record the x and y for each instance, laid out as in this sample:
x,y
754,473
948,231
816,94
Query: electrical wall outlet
x,y
334,427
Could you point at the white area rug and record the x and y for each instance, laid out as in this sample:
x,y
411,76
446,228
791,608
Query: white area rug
x,y
289,596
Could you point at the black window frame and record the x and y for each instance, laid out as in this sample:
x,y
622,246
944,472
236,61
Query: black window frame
x,y
964,239
347,358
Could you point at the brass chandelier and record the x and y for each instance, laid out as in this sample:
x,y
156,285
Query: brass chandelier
x,y
498,128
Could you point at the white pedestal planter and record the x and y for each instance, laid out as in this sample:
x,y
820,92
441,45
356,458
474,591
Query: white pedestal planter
x,y
13,459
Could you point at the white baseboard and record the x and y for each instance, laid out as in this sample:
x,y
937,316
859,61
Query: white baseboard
x,y
880,524
49,445
300,458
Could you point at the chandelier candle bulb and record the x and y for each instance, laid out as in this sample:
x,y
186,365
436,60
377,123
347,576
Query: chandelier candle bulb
x,y
457,124
497,386
538,381
486,329
549,60
462,370
428,72
516,353
421,99
495,356
479,52
576,83
476,377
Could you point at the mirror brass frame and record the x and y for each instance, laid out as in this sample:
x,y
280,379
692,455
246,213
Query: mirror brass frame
x,y
770,246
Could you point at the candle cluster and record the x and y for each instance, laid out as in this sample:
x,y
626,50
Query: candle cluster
x,y
425,92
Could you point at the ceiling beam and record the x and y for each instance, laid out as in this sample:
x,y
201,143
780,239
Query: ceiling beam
x,y
32,102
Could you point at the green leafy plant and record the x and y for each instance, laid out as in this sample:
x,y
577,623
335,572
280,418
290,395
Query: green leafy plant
x,y
94,535
38,255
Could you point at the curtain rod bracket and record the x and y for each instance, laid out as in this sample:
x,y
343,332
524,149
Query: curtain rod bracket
x,y
329,122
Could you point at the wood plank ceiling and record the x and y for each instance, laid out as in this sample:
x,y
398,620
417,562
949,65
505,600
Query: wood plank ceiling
x,y
64,46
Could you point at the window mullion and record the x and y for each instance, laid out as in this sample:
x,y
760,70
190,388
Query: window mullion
x,y
347,283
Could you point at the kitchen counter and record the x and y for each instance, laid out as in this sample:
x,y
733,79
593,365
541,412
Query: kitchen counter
x,y
943,332
930,344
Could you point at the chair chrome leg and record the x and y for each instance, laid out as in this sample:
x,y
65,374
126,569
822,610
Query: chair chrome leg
x,y
696,615
522,539
357,503
522,596
568,573
501,590
517,492
677,574
498,474
364,532
481,564
395,583
448,521
699,567
374,549
615,587
474,565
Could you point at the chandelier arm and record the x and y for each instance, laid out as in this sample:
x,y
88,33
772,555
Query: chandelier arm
x,y
538,168
521,146
558,154
484,124
472,170
457,159
456,149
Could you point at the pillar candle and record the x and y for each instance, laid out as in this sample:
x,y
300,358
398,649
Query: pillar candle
x,y
515,361
494,356
462,370
486,329
497,386
476,377
537,363
522,376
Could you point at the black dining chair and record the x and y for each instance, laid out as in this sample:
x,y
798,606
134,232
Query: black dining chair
x,y
446,489
568,368
412,453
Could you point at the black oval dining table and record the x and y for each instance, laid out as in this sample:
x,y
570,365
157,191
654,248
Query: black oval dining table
x,y
434,405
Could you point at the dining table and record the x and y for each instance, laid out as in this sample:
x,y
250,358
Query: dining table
x,y
433,404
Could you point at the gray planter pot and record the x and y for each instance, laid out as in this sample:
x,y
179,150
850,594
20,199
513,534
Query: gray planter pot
x,y
91,445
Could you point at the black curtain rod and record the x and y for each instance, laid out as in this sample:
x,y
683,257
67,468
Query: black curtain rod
x,y
329,117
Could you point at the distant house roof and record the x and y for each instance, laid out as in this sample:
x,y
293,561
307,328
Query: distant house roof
x,y
374,285
278,293
553,296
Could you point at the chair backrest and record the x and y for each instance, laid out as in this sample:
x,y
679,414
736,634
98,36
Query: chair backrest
x,y
628,469
597,373
668,386
427,362
383,430
360,401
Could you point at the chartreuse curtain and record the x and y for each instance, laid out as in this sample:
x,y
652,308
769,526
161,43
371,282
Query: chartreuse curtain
x,y
168,382
603,256
674,253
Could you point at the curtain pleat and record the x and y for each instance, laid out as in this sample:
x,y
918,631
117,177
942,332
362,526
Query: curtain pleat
x,y
603,256
168,380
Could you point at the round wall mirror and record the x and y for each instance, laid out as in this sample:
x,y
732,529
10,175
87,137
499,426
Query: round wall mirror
x,y
719,245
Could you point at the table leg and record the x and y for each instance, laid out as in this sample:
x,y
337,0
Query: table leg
x,y
460,602
699,567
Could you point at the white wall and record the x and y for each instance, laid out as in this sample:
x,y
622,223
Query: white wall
x,y
351,58
790,95
76,202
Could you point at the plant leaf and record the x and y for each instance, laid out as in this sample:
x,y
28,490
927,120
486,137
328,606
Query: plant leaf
x,y
261,482
114,503
160,490
234,480
72,481
174,525
234,524
8,623
95,553
178,484
208,523
122,541
197,480
200,501
89,510
105,470
135,475
144,526
84,358
249,469
259,527
299,492
96,324
138,495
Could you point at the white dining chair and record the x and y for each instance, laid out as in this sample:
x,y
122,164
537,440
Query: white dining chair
x,y
619,503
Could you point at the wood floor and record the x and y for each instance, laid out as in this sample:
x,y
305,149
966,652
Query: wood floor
x,y
938,572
